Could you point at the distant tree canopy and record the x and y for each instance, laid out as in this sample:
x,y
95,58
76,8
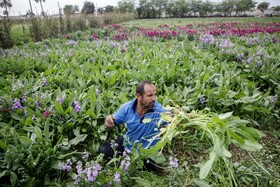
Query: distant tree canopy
x,y
109,8
277,9
125,6
263,6
88,8
70,9
185,8
6,4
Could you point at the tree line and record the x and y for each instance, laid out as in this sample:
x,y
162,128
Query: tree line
x,y
158,8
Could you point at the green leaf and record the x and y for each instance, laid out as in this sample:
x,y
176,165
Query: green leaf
x,y
237,123
2,124
200,182
154,148
225,115
47,131
253,132
25,140
79,137
3,146
3,173
204,170
13,178
251,145
38,133
58,107
235,136
15,116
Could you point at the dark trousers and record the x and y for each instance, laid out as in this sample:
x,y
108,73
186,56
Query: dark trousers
x,y
108,152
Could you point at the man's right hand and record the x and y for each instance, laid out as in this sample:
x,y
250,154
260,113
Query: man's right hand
x,y
109,121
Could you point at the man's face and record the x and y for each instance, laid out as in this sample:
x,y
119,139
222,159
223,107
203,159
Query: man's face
x,y
148,98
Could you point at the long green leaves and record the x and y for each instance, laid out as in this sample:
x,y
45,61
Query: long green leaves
x,y
222,130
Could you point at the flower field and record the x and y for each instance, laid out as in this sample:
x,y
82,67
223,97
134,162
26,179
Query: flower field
x,y
220,79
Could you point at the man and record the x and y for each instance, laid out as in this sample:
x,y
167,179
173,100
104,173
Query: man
x,y
141,117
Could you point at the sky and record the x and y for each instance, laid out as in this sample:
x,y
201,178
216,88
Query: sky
x,y
20,7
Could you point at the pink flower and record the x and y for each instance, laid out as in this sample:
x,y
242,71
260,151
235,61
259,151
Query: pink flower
x,y
4,110
46,114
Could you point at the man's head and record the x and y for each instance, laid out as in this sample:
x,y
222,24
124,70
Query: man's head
x,y
146,94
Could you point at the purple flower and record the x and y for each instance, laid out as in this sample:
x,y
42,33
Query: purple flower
x,y
92,172
33,117
85,155
202,100
65,166
60,100
207,39
126,166
17,104
117,177
77,106
249,60
24,99
45,83
97,91
173,162
71,42
273,100
79,168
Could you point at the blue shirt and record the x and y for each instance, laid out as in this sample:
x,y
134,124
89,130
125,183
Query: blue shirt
x,y
139,129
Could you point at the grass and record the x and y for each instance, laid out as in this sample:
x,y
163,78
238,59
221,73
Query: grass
x,y
20,34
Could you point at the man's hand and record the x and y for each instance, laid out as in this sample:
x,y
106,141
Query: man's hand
x,y
109,122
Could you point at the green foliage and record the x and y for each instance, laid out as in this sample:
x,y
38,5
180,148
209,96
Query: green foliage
x,y
5,34
54,96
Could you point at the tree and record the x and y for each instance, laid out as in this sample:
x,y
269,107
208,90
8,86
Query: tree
x,y
207,7
125,6
195,6
109,8
6,4
244,5
263,6
40,1
69,10
31,13
227,7
76,8
88,8
277,9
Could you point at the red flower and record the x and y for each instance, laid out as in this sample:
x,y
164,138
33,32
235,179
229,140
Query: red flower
x,y
4,110
46,114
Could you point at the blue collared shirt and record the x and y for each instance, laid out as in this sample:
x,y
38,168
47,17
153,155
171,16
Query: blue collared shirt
x,y
139,129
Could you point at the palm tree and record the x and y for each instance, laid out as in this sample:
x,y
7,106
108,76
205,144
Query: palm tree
x,y
6,4
30,7
37,1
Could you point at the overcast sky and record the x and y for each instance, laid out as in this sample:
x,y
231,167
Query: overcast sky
x,y
21,6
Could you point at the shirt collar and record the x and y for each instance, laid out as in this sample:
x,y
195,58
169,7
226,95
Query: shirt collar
x,y
134,105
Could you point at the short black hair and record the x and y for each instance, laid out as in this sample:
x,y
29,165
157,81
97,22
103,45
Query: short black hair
x,y
140,86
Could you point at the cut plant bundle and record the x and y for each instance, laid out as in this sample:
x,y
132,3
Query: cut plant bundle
x,y
221,129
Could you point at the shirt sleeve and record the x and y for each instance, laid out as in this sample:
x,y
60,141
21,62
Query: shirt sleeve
x,y
120,115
